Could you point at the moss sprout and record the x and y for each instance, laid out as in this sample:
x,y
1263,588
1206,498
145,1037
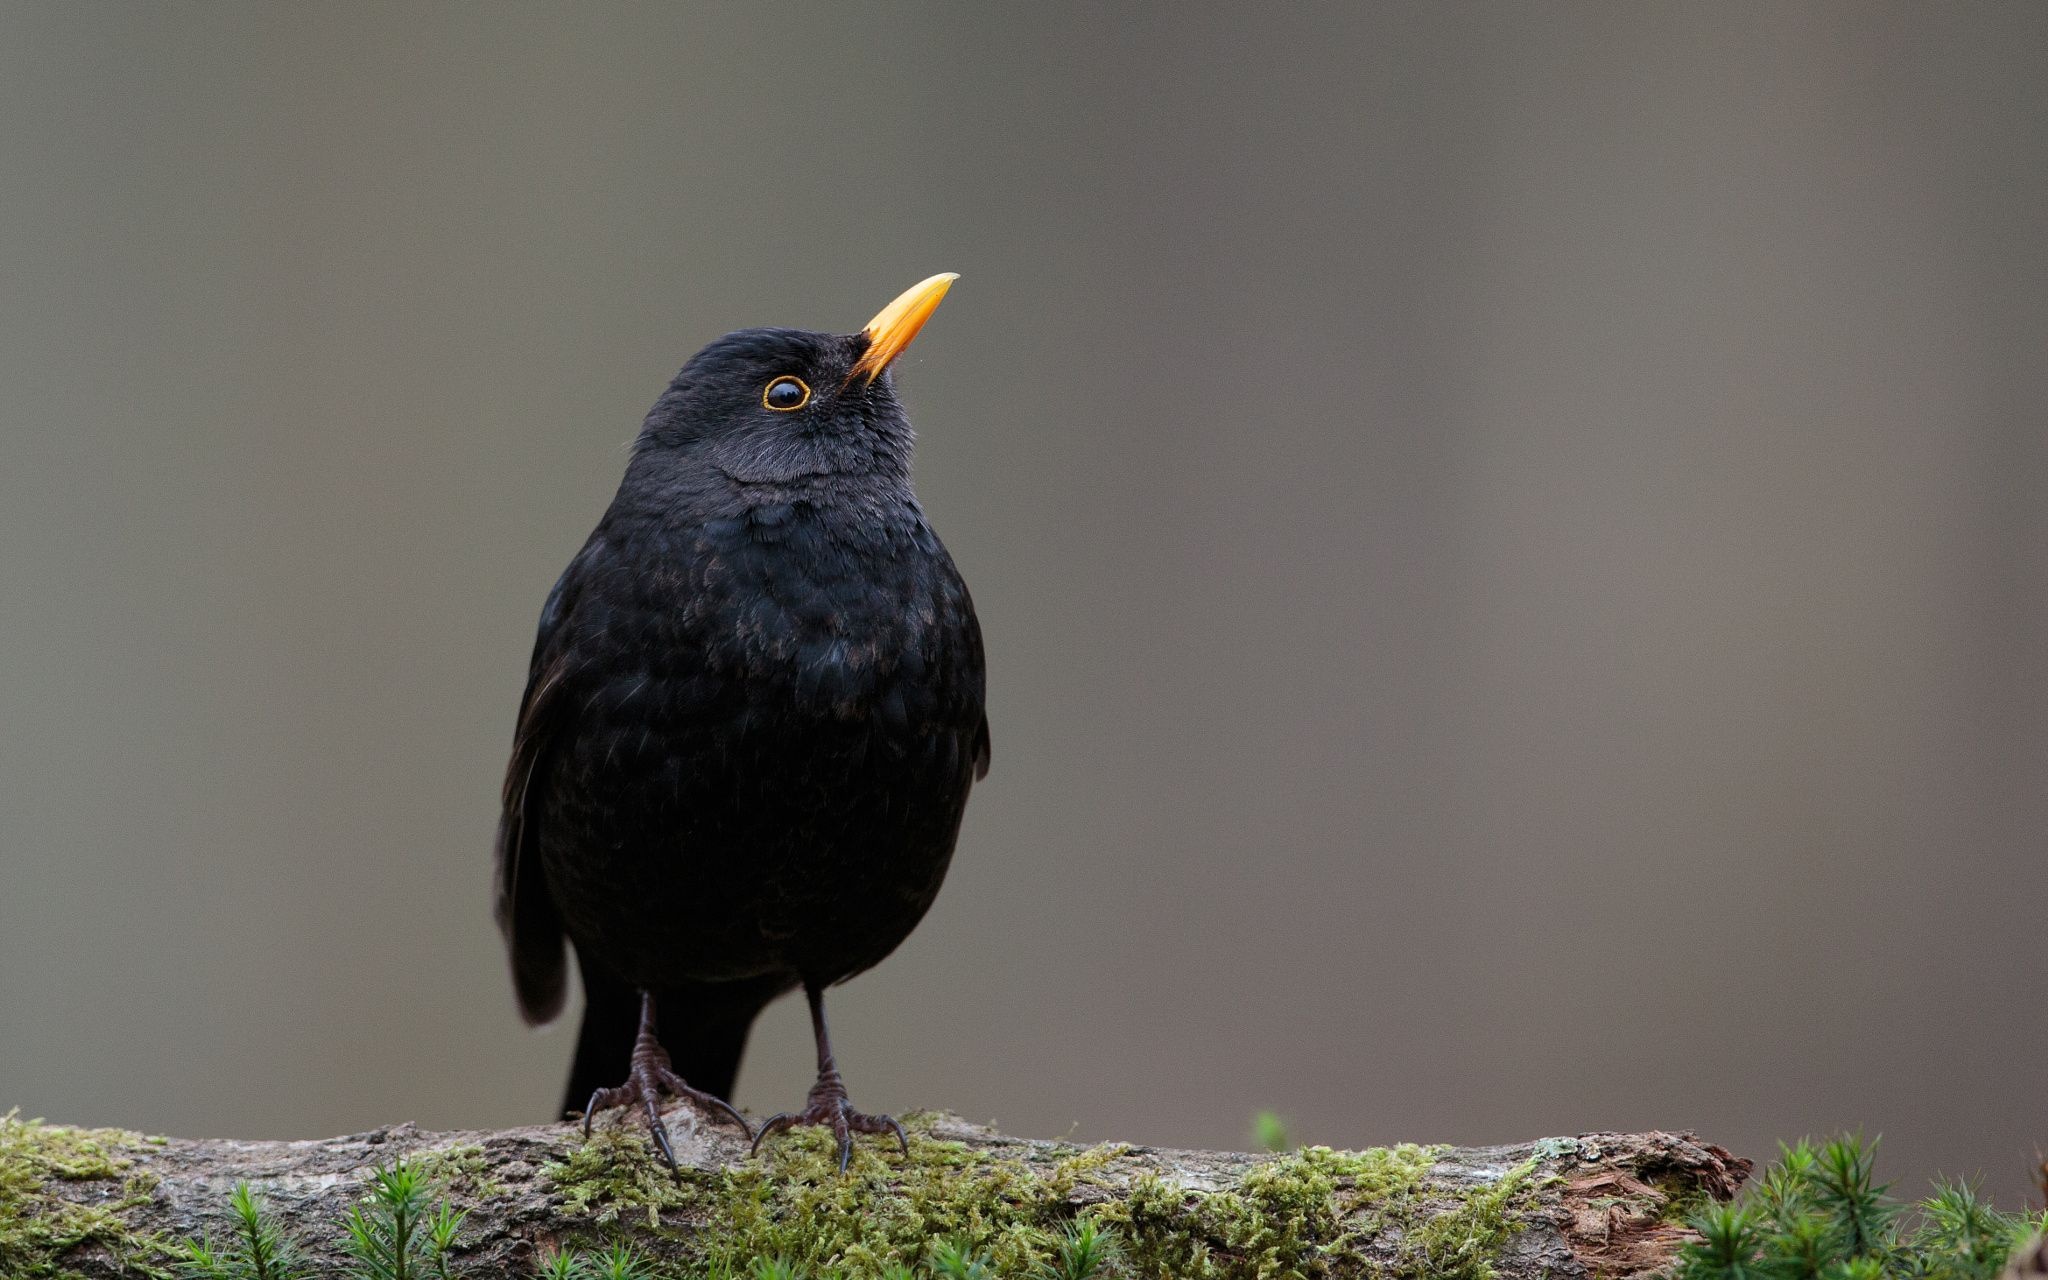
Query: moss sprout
x,y
1270,1133
256,1249
1820,1214
398,1232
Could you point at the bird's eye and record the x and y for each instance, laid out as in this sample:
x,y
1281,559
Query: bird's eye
x,y
785,394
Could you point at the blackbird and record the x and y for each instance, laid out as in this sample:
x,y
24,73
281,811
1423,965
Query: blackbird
x,y
754,712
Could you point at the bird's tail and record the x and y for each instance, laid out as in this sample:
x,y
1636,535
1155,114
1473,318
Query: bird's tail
x,y
703,1027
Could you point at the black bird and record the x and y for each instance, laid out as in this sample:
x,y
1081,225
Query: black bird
x,y
749,729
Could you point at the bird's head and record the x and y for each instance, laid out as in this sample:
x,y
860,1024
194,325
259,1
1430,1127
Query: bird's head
x,y
782,406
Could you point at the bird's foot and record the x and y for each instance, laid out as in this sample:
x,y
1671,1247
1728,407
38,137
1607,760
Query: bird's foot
x,y
829,1106
649,1077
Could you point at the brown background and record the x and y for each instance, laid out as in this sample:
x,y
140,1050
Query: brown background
x,y
1511,540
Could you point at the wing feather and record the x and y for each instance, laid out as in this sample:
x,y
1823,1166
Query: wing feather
x,y
526,914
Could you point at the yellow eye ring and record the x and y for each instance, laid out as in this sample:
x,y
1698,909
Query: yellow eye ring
x,y
776,395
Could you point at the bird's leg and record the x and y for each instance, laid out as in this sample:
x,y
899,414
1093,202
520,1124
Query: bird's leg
x,y
828,1104
649,1076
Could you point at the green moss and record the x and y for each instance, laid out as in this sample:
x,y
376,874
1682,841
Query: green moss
x,y
1288,1216
794,1204
615,1173
39,1229
460,1170
797,1206
1083,1168
1310,1213
1461,1242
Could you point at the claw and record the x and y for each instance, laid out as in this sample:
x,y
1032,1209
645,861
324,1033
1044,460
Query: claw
x,y
649,1076
678,1086
830,1108
660,1132
773,1124
828,1104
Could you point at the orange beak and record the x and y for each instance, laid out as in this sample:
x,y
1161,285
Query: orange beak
x,y
896,324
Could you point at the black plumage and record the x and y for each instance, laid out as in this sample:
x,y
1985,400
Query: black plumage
x,y
754,712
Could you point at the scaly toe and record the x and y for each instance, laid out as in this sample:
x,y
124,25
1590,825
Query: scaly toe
x,y
644,1086
681,1088
836,1114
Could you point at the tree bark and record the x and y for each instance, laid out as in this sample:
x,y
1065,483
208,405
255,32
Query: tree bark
x,y
104,1203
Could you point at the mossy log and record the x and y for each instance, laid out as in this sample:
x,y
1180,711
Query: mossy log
x,y
105,1203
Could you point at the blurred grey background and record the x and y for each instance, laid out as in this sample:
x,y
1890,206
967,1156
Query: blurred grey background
x,y
1511,539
